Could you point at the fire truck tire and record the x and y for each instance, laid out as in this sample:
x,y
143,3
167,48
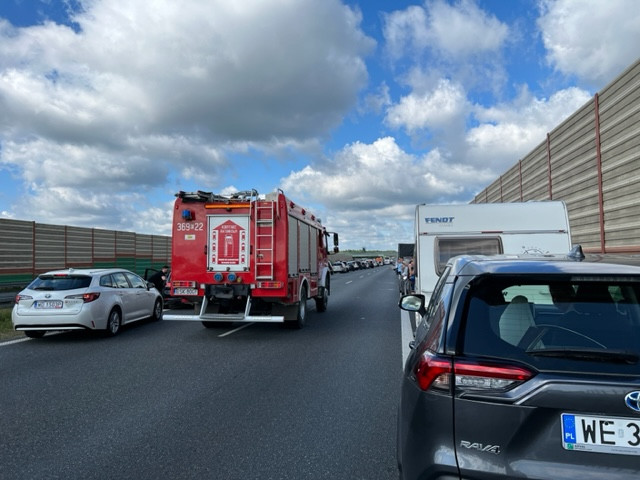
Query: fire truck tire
x,y
322,300
301,317
114,321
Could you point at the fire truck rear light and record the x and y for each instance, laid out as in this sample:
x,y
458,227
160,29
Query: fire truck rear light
x,y
226,206
269,284
183,283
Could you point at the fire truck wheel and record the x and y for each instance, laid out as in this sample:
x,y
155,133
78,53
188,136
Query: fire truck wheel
x,y
113,323
322,300
302,311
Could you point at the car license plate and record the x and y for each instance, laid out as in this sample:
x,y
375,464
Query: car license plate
x,y
601,434
185,291
48,304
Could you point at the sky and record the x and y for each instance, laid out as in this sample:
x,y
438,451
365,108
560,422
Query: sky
x,y
357,110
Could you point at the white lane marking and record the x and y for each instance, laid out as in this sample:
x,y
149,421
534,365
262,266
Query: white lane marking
x,y
26,339
11,342
235,329
350,281
407,334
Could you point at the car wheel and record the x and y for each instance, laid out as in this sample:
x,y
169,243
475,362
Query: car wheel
x,y
35,333
114,322
157,311
302,312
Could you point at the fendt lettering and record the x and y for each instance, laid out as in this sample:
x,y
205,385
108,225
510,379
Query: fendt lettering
x,y
247,257
439,219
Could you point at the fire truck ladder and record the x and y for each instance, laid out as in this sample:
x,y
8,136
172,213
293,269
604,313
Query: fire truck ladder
x,y
264,239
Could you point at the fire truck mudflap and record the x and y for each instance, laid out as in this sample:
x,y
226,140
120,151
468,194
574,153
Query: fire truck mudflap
x,y
248,258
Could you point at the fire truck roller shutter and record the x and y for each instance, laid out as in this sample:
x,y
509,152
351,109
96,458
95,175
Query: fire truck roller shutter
x,y
293,246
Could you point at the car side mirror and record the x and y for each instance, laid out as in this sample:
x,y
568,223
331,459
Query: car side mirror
x,y
413,303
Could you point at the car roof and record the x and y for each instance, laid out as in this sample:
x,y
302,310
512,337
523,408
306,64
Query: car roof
x,y
85,271
539,264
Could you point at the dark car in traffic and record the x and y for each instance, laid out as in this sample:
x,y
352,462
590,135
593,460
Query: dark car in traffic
x,y
524,367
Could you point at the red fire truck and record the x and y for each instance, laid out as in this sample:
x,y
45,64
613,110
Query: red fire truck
x,y
247,257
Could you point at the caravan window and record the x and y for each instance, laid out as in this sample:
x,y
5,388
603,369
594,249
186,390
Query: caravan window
x,y
447,247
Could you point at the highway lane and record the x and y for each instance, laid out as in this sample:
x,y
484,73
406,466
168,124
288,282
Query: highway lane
x,y
176,400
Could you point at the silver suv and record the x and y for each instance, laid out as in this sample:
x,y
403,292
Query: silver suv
x,y
524,367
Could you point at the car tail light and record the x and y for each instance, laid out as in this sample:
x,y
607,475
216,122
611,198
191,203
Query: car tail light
x,y
23,297
437,372
433,372
90,297
480,376
86,297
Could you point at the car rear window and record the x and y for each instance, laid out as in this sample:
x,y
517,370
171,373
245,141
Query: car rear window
x,y
555,319
60,282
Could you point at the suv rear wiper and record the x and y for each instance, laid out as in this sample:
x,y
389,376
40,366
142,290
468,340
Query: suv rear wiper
x,y
43,288
588,354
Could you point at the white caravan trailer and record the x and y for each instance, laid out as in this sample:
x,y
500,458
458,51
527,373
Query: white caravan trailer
x,y
444,231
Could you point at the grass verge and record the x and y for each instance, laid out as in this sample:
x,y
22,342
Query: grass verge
x,y
6,328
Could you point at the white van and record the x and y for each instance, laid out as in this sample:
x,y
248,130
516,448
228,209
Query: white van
x,y
444,231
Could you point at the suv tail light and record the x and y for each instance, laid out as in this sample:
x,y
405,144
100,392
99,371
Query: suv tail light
x,y
436,372
433,371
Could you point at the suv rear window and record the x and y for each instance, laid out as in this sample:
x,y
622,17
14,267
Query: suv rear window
x,y
574,319
60,282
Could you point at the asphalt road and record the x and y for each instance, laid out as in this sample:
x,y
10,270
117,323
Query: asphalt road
x,y
173,400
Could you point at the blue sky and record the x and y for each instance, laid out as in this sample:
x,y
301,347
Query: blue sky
x,y
358,110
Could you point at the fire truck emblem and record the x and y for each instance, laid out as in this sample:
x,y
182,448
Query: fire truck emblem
x,y
228,244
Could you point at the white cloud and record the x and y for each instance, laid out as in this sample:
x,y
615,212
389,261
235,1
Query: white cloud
x,y
249,71
592,39
377,101
369,187
137,93
509,131
455,31
464,29
368,176
442,107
